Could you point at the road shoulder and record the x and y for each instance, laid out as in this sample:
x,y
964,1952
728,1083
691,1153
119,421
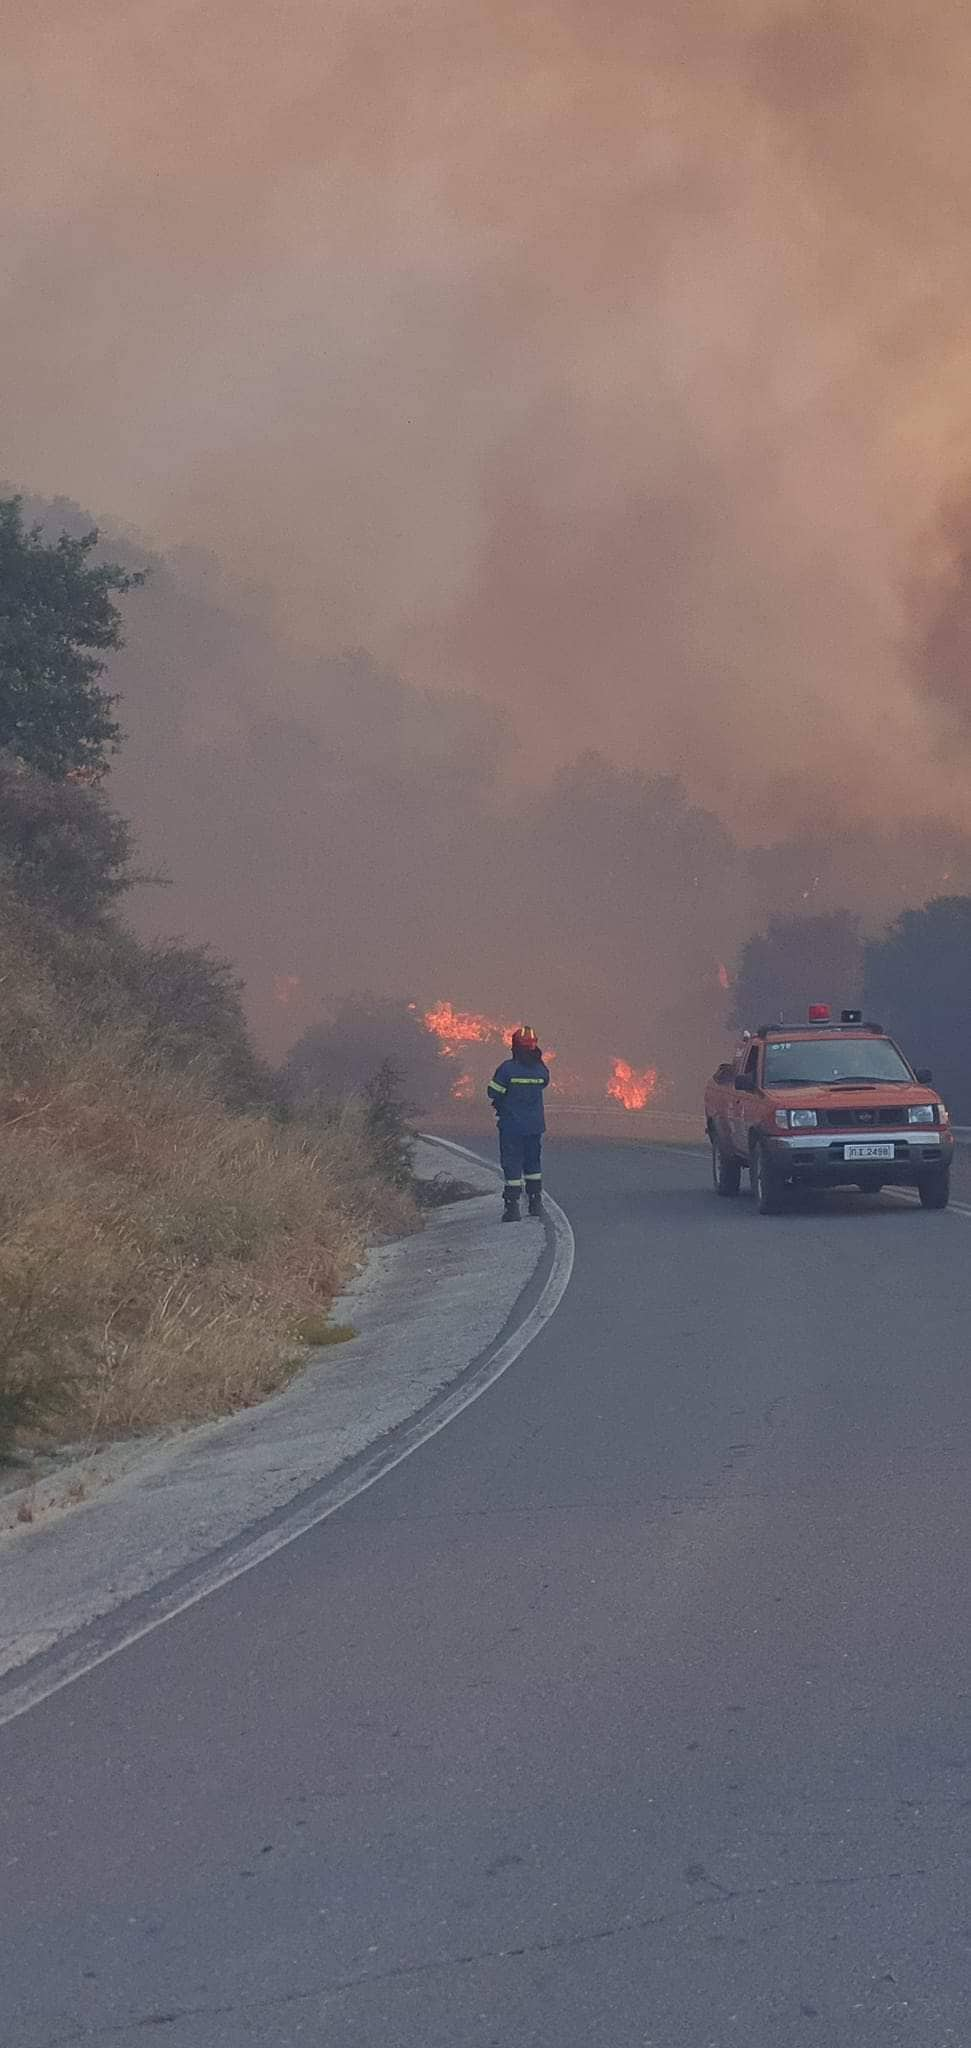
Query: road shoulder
x,y
429,1310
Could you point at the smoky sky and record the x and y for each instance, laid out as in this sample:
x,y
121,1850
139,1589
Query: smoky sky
x,y
606,359
599,369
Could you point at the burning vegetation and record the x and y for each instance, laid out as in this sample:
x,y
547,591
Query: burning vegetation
x,y
632,1089
458,1031
454,1028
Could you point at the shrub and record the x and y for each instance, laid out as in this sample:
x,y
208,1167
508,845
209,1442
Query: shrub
x,y
157,1255
389,1139
191,1004
156,1252
343,1056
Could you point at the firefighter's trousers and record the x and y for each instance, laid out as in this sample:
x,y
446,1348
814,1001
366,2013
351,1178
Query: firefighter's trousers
x,y
521,1155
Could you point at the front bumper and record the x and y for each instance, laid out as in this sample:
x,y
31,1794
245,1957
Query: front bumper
x,y
819,1156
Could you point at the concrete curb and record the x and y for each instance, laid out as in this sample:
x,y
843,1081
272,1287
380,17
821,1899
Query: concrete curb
x,y
441,1317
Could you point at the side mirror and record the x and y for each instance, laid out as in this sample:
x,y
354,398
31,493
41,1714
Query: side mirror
x,y
925,1077
745,1083
724,1073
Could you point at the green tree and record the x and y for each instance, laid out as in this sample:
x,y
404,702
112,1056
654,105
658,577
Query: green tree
x,y
62,848
918,982
58,620
797,961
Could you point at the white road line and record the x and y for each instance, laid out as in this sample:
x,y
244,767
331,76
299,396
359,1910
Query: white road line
x,y
913,1202
62,1669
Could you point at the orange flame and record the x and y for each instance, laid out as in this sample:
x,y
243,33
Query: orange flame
x,y
464,1088
724,978
454,1027
631,1088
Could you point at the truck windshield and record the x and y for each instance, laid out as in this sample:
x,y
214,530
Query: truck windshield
x,y
819,1062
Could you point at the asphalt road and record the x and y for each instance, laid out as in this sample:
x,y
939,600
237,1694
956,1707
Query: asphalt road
x,y
634,1710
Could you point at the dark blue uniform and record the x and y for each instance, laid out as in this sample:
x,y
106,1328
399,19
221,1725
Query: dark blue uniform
x,y
516,1093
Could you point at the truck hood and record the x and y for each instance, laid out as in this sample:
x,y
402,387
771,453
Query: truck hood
x,y
879,1095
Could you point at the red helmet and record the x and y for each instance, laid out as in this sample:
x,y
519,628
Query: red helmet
x,y
524,1041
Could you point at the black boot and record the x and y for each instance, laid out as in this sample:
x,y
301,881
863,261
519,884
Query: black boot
x,y
510,1205
536,1201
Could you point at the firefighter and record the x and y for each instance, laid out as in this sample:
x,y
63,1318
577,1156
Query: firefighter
x,y
516,1095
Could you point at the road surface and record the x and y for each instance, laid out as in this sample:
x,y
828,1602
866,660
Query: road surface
x,y
633,1710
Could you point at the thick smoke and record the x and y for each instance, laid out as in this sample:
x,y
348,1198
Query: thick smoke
x,y
336,830
600,368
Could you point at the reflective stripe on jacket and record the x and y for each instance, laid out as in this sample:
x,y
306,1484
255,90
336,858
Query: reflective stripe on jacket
x,y
516,1091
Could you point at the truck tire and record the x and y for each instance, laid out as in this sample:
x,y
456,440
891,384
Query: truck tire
x,y
726,1174
768,1185
934,1188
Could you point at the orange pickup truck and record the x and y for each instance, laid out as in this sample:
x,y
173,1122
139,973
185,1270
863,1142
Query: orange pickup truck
x,y
826,1104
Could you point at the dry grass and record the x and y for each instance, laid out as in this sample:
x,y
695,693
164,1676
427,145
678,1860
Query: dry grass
x,y
158,1257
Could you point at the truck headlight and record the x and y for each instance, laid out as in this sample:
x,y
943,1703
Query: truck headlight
x,y
802,1119
921,1113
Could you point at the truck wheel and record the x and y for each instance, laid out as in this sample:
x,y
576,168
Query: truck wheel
x,y
934,1188
726,1174
767,1183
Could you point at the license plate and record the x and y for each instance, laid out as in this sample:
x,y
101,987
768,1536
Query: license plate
x,y
870,1151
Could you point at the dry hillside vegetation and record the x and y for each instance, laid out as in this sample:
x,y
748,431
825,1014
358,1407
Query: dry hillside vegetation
x,y
159,1254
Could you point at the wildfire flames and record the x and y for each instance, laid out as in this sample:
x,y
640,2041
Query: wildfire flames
x,y
457,1031
454,1027
632,1089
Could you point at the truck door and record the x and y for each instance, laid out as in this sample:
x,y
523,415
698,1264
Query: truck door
x,y
743,1106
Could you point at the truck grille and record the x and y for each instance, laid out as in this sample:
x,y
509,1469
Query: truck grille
x,y
889,1118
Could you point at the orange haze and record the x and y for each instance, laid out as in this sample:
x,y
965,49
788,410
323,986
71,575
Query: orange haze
x,y
519,399
607,359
